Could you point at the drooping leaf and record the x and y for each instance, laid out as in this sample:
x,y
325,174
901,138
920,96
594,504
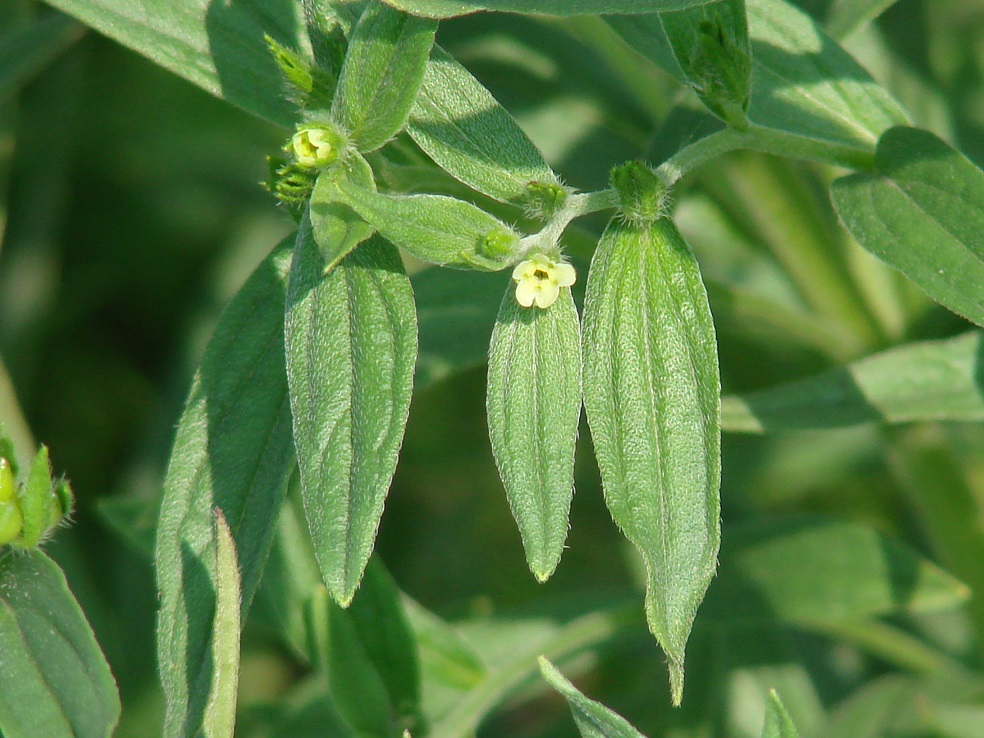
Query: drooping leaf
x,y
55,681
855,573
383,68
458,123
593,719
217,46
452,8
352,340
233,451
220,714
922,212
534,403
778,723
652,396
29,50
929,380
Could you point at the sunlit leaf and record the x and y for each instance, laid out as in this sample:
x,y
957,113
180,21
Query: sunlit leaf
x,y
220,715
593,719
451,8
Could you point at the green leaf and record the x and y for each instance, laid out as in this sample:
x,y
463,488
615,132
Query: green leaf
x,y
534,404
220,714
233,451
452,8
929,380
32,497
846,16
922,212
383,68
336,227
27,51
434,228
778,723
593,719
55,681
804,84
652,396
218,46
854,573
458,123
351,344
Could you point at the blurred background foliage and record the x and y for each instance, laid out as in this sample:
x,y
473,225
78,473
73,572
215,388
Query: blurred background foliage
x,y
131,211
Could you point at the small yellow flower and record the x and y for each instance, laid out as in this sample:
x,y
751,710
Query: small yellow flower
x,y
314,147
538,280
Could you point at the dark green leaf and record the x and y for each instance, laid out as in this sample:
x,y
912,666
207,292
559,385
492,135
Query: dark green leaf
x,y
652,396
593,719
233,451
922,212
458,123
451,8
534,404
55,681
931,380
855,573
778,723
220,715
383,68
336,227
352,340
26,52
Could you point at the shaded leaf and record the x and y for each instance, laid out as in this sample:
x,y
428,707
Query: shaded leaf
x,y
593,719
220,715
27,51
922,212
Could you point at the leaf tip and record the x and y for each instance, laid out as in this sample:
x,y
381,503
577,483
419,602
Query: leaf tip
x,y
676,680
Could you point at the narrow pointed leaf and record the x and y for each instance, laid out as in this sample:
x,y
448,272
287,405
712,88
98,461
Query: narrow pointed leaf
x,y
383,68
220,715
929,380
452,8
458,123
922,212
351,345
55,681
233,451
534,403
434,228
593,719
778,723
652,396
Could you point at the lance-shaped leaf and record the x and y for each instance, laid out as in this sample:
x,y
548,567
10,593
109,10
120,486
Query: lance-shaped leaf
x,y
351,345
458,123
593,719
452,8
778,723
55,681
534,403
652,396
383,68
922,212
233,451
929,380
336,227
220,715
710,44
434,228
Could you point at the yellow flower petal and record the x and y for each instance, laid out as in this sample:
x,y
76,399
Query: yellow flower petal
x,y
526,292
565,275
548,293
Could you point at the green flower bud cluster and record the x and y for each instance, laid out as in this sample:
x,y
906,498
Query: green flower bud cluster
x,y
643,196
32,509
543,199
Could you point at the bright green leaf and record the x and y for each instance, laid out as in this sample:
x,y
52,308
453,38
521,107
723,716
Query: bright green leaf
x,y
218,46
352,340
922,212
220,714
534,403
846,16
652,396
452,8
593,719
55,681
855,573
383,68
458,123
778,723
930,380
32,497
29,50
336,227
233,451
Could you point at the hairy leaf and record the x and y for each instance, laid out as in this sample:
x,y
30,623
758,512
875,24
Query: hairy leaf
x,y
54,680
593,719
220,715
351,344
534,403
922,212
452,8
778,723
652,396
